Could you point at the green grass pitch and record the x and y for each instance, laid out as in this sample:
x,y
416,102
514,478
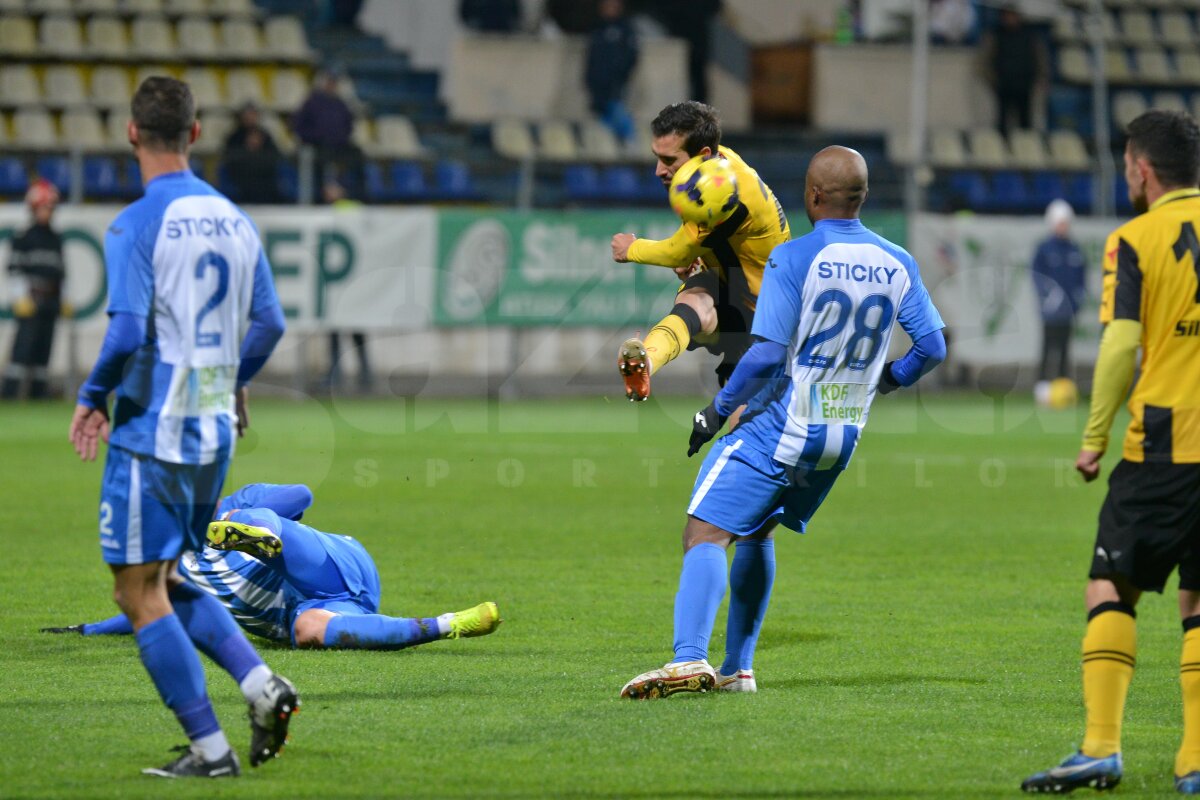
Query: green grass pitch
x,y
922,639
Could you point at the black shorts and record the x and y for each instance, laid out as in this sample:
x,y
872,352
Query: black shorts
x,y
1150,524
735,315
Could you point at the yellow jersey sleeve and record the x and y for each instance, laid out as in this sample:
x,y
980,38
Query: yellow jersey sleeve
x,y
1109,277
679,251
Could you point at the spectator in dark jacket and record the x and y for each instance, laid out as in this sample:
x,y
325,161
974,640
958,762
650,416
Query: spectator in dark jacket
x,y
490,16
251,160
326,123
1015,62
1058,280
611,56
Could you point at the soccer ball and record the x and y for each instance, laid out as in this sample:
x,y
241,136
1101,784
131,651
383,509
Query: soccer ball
x,y
704,191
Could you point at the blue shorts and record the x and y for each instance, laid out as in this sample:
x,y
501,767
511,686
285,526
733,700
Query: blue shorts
x,y
740,489
153,510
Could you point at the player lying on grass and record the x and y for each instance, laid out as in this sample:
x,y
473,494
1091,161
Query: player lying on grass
x,y
289,582
821,332
715,306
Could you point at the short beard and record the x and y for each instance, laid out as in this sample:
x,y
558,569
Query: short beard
x,y
1140,206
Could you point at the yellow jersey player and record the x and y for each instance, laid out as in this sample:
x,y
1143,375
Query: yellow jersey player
x,y
1150,521
715,305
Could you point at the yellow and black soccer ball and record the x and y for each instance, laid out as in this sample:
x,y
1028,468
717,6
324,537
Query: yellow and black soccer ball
x,y
704,191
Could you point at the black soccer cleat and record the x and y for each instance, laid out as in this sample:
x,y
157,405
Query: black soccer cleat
x,y
192,765
65,629
269,717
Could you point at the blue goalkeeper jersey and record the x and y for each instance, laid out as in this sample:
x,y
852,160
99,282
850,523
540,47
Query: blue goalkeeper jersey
x,y
831,298
189,262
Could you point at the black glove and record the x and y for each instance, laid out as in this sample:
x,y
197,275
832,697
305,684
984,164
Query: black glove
x,y
705,425
887,382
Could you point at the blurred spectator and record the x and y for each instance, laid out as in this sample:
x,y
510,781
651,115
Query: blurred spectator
x,y
1058,280
1015,63
36,270
611,56
573,16
251,160
952,21
491,16
326,123
692,21
334,194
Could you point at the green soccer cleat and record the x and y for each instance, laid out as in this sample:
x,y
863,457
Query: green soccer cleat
x,y
249,539
478,621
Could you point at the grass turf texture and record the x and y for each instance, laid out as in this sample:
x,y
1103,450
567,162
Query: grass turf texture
x,y
922,639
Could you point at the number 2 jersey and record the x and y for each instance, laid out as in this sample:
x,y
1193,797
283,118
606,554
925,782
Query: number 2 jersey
x,y
831,298
1151,272
189,262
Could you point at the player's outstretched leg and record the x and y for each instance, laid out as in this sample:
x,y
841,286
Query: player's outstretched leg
x,y
249,539
318,628
117,625
637,360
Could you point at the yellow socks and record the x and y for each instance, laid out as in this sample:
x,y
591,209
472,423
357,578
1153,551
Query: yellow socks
x,y
1188,759
1109,647
671,336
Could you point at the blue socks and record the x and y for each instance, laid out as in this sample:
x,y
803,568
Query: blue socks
x,y
701,587
113,625
212,629
379,632
750,581
176,671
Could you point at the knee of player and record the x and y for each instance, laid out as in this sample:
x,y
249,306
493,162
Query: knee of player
x,y
702,303
309,628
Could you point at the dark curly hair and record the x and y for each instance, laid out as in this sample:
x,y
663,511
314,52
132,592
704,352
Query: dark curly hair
x,y
696,122
1170,141
163,110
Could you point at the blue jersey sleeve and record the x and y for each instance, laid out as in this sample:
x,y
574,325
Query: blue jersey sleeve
x,y
128,263
777,315
918,316
261,517
266,323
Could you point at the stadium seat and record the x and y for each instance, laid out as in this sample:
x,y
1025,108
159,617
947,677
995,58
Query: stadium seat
x,y
215,127
946,148
243,86
13,178
116,128
511,139
81,128
987,148
240,40
1138,28
144,7
1079,192
1066,26
598,142
106,37
17,36
1126,106
206,87
289,182
1153,66
580,183
289,88
968,190
1177,30
374,182
233,8
1187,66
63,86
97,6
182,7
110,87
100,180
1108,26
60,36
1169,101
1046,187
408,181
43,7
1116,66
454,180
1067,151
620,184
396,137
197,38
1074,64
149,70
285,39
151,38
34,129
273,124
556,141
1028,149
19,85
57,170
900,149
132,183
1008,193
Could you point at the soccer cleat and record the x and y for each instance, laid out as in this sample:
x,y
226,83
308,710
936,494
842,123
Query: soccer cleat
x,y
1188,784
192,765
1076,771
65,629
249,539
634,366
682,676
478,621
269,717
740,681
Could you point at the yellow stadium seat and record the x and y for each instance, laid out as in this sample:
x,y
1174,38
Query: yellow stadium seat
x,y
205,84
243,86
556,141
1127,106
1169,101
900,148
1067,151
285,39
396,137
116,128
110,87
1177,29
240,39
289,87
186,7
152,38
1116,66
19,85
97,6
987,148
1028,149
63,85
946,148
107,37
34,129
234,8
81,128
1137,28
1187,66
60,35
197,38
511,138
152,7
214,129
1074,64
43,7
598,142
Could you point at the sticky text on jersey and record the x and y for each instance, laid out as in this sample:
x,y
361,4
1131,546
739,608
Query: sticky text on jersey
x,y
862,273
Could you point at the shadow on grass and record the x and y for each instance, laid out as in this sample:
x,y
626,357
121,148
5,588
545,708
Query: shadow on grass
x,y
877,680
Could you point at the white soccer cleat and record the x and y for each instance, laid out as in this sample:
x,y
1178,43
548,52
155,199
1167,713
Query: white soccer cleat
x,y
740,681
682,676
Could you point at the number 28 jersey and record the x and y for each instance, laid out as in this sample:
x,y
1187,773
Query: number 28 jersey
x,y
831,297
1151,272
189,262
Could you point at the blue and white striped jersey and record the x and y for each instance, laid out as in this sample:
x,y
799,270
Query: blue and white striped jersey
x,y
831,297
258,597
188,261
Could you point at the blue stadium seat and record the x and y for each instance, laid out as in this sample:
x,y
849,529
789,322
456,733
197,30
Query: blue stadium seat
x,y
968,190
131,187
100,180
652,188
1121,196
13,178
1009,192
581,183
288,182
57,170
454,180
376,185
1079,192
408,181
1046,187
620,184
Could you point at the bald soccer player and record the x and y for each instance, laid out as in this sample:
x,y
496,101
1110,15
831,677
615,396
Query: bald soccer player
x,y
821,330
